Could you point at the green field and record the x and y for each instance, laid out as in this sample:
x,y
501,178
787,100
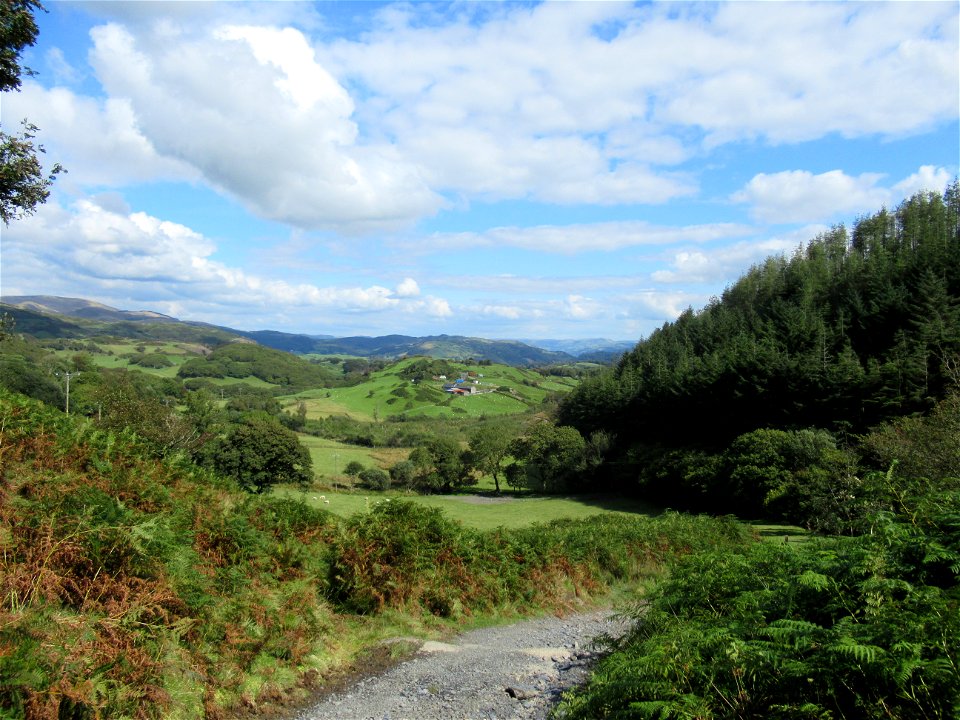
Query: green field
x,y
484,512
331,457
114,355
501,390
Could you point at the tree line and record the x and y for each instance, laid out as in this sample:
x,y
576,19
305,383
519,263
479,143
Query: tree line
x,y
794,361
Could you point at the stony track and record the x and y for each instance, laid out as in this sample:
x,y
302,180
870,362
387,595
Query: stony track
x,y
510,672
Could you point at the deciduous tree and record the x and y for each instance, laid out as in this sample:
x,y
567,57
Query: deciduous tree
x,y
489,448
262,453
23,183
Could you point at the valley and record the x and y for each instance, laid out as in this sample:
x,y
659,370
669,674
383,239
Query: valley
x,y
768,486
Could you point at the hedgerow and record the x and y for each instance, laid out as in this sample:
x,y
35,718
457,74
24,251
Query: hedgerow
x,y
402,555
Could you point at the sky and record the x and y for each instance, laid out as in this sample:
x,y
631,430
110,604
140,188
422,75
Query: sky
x,y
561,170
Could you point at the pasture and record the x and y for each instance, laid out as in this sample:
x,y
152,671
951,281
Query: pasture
x,y
483,512
331,457
500,390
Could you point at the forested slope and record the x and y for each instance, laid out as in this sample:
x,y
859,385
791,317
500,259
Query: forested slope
x,y
858,327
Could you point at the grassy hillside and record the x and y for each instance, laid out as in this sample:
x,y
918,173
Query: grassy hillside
x,y
145,588
394,391
46,325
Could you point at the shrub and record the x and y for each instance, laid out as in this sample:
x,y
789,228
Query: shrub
x,y
374,478
151,360
353,468
403,473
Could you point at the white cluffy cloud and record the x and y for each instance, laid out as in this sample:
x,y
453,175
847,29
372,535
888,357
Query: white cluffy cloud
x,y
134,255
801,196
98,140
593,237
565,103
256,116
594,102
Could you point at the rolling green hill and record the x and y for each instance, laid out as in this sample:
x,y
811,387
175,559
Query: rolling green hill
x,y
45,316
401,390
46,324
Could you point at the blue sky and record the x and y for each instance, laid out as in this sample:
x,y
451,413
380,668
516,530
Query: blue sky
x,y
503,170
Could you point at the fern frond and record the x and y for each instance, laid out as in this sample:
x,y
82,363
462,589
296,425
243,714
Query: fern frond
x,y
814,580
863,654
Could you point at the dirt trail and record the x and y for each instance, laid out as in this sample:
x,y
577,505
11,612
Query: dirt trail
x,y
511,672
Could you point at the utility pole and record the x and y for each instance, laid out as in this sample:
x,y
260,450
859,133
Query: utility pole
x,y
68,375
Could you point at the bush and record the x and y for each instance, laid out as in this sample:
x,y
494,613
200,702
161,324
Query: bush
x,y
403,473
353,468
151,360
374,478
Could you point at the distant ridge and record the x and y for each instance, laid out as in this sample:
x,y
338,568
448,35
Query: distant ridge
x,y
86,309
49,316
596,349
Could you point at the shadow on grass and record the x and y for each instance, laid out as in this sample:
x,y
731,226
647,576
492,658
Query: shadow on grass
x,y
773,532
603,501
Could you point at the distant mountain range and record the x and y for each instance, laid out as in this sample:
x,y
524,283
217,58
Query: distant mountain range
x,y
48,316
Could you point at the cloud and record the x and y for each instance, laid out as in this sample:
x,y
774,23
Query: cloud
x,y
801,196
254,113
508,312
61,68
534,102
664,306
798,195
97,140
928,177
579,307
408,288
564,103
514,285
690,267
707,266
435,307
582,238
790,72
136,255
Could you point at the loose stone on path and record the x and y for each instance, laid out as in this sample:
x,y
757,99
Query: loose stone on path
x,y
511,672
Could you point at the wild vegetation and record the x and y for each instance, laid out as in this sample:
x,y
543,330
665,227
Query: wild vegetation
x,y
139,586
866,626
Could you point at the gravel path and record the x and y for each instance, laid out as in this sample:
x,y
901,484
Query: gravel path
x,y
512,672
